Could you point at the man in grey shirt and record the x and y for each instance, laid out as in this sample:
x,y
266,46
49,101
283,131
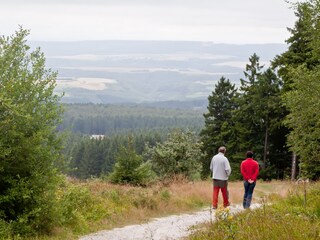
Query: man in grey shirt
x,y
221,171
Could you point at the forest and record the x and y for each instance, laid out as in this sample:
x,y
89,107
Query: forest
x,y
95,133
274,112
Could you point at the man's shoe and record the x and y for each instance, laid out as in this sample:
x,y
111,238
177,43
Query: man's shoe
x,y
214,207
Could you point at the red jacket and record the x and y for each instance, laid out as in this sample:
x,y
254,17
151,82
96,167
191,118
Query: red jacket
x,y
249,169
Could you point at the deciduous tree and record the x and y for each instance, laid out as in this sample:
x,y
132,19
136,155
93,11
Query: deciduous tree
x,y
180,154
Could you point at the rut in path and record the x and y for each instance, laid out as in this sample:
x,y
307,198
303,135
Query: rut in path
x,y
166,228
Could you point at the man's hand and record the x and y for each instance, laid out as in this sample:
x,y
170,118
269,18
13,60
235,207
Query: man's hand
x,y
250,181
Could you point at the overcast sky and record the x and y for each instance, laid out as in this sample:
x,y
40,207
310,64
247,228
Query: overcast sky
x,y
219,21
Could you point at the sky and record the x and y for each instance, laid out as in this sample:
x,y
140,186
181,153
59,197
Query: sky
x,y
218,21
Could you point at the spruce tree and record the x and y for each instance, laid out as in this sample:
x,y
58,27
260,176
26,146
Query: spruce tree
x,y
218,129
130,167
29,143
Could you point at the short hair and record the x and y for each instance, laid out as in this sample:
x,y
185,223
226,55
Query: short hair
x,y
249,154
222,149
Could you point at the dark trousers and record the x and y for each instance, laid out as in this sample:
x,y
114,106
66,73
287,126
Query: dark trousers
x,y
248,192
223,186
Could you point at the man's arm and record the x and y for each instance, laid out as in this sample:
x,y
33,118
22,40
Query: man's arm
x,y
227,168
256,172
243,172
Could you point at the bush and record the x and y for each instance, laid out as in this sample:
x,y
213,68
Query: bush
x,y
130,169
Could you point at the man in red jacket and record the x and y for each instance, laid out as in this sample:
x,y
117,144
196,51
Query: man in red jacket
x,y
249,170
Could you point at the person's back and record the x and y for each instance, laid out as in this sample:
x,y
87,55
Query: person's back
x,y
221,170
249,169
220,167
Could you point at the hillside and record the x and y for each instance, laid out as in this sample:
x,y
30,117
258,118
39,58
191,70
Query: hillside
x,y
147,71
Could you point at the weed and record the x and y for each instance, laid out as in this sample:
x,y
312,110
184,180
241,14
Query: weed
x,y
226,223
165,195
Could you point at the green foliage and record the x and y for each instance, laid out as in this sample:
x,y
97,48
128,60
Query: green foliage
x,y
218,130
77,207
268,114
299,67
226,223
250,119
180,154
261,114
303,44
109,119
130,168
29,144
165,195
5,230
95,157
304,119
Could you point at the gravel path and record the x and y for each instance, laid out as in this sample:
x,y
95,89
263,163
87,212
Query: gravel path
x,y
166,228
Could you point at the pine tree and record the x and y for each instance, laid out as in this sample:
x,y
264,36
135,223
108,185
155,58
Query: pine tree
x,y
218,129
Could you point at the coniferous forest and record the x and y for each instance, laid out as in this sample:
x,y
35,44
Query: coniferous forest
x,y
274,111
94,134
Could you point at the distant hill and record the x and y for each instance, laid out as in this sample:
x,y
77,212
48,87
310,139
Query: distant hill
x,y
147,71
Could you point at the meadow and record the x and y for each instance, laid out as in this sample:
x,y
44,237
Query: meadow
x,y
93,205
294,217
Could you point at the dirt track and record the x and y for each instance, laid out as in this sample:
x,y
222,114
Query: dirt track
x,y
166,228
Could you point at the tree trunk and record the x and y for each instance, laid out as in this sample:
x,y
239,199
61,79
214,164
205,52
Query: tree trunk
x,y
265,150
294,167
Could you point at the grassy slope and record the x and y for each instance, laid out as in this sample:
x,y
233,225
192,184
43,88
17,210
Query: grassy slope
x,y
296,217
95,205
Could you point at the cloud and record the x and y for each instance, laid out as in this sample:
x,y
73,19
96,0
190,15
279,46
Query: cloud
x,y
228,21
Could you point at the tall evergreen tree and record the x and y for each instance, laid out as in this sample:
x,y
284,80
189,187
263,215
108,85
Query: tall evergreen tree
x,y
301,59
248,122
218,124
259,117
269,114
29,144
252,72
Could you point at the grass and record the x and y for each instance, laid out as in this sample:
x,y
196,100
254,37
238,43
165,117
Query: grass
x,y
95,205
295,217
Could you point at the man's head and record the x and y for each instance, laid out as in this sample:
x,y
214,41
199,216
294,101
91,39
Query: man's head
x,y
249,154
222,149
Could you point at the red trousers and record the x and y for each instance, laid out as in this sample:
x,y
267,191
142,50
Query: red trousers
x,y
223,185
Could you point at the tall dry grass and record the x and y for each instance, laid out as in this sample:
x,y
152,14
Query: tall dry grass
x,y
295,217
93,205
